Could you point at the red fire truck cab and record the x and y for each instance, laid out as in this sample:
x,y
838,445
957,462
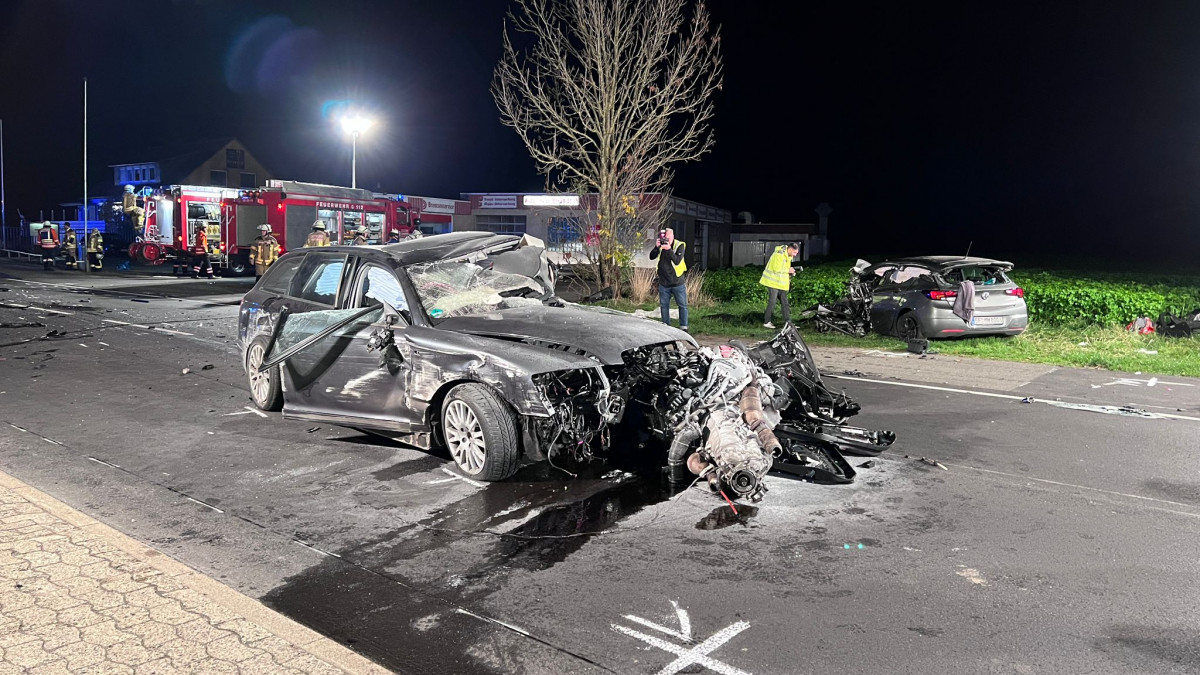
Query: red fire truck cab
x,y
231,218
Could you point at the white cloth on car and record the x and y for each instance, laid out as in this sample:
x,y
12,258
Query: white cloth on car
x,y
964,302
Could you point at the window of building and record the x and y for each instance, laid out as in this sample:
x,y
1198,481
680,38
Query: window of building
x,y
152,173
249,180
235,159
563,234
218,178
500,224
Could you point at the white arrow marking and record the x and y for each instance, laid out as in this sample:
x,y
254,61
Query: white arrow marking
x,y
698,654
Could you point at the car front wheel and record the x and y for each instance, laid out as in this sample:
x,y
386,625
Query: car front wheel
x,y
480,431
265,388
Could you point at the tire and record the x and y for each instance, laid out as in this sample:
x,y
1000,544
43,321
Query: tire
x,y
266,390
480,431
908,327
239,266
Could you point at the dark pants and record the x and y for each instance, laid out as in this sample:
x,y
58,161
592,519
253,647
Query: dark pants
x,y
48,257
200,261
69,253
665,293
94,260
782,296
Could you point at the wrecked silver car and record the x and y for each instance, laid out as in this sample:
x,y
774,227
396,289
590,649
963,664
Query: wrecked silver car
x,y
458,341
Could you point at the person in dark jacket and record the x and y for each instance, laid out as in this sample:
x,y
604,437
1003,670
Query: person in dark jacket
x,y
70,247
671,282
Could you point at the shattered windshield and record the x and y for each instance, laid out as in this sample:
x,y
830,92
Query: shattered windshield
x,y
456,288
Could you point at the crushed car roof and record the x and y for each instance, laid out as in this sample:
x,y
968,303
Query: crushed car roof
x,y
946,261
442,246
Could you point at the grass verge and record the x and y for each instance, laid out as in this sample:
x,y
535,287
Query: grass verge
x,y
1080,346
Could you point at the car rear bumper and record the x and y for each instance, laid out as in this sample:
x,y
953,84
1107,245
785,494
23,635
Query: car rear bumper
x,y
941,322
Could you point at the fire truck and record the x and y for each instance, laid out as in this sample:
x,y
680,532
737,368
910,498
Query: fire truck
x,y
231,218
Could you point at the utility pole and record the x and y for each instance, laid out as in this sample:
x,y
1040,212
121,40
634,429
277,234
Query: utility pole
x,y
87,266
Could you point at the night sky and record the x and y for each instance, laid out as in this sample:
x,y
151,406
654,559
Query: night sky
x,y
1032,129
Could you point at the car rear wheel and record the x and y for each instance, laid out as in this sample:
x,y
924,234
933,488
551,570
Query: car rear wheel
x,y
908,327
480,431
265,388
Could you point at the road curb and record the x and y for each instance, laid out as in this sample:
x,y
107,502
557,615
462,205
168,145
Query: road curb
x,y
300,636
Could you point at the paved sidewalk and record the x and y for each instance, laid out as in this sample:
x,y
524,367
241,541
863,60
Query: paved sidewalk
x,y
77,596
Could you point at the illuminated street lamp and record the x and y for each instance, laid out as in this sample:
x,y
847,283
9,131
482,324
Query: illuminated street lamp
x,y
355,125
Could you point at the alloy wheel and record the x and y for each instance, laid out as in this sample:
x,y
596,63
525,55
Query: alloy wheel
x,y
464,437
260,383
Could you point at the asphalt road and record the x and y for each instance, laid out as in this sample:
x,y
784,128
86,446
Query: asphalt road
x,y
1055,541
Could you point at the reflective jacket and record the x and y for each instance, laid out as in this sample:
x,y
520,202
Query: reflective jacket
x,y
201,245
265,250
95,242
359,240
317,238
776,275
48,237
679,268
70,240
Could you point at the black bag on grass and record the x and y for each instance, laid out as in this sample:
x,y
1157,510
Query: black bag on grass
x,y
1170,326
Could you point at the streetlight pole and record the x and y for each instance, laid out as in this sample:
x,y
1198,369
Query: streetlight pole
x,y
3,211
355,125
88,265
354,160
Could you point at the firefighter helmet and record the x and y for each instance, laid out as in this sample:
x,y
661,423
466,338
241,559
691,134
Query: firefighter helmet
x,y
319,225
129,189
264,227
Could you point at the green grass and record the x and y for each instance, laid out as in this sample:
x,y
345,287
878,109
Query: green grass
x,y
1109,347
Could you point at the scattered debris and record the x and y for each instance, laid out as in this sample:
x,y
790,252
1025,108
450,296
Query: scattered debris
x,y
138,300
309,431
207,366
854,373
1126,410
28,324
870,463
933,462
185,371
1027,399
1083,344
1152,352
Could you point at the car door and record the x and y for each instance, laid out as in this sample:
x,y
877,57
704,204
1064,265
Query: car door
x,y
885,300
312,296
367,386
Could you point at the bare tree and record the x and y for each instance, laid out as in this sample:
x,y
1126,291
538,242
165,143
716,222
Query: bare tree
x,y
607,95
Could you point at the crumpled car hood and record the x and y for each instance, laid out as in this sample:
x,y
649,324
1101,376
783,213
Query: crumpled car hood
x,y
603,334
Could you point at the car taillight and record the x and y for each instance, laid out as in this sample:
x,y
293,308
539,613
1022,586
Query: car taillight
x,y
1018,291
941,295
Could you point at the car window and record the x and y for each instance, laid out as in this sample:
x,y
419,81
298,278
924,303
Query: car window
x,y
380,285
278,278
980,275
908,273
455,288
319,278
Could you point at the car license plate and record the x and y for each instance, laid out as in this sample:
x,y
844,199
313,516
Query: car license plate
x,y
987,321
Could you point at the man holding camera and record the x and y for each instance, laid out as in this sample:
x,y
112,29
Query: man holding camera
x,y
671,269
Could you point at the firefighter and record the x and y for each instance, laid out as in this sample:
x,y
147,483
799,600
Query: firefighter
x,y
70,247
360,236
264,251
394,237
48,243
318,236
95,249
136,214
200,255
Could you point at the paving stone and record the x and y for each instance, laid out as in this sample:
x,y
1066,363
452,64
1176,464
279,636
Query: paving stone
x,y
200,631
130,653
159,667
246,630
28,654
127,615
153,633
172,613
55,668
312,665
231,649
104,634
56,635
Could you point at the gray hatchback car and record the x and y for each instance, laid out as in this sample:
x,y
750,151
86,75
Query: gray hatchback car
x,y
913,298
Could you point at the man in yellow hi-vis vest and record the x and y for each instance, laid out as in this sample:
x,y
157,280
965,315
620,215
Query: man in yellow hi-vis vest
x,y
671,268
777,277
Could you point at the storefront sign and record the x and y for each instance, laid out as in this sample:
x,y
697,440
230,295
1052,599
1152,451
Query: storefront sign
x,y
551,200
432,205
498,202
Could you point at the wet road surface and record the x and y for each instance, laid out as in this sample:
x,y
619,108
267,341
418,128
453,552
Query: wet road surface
x,y
1055,540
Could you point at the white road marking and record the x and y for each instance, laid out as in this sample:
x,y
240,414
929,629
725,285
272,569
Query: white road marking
x,y
498,622
172,332
314,548
685,624
1085,487
989,394
126,323
696,655
18,428
439,481
1134,382
464,479
82,345
100,461
203,504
